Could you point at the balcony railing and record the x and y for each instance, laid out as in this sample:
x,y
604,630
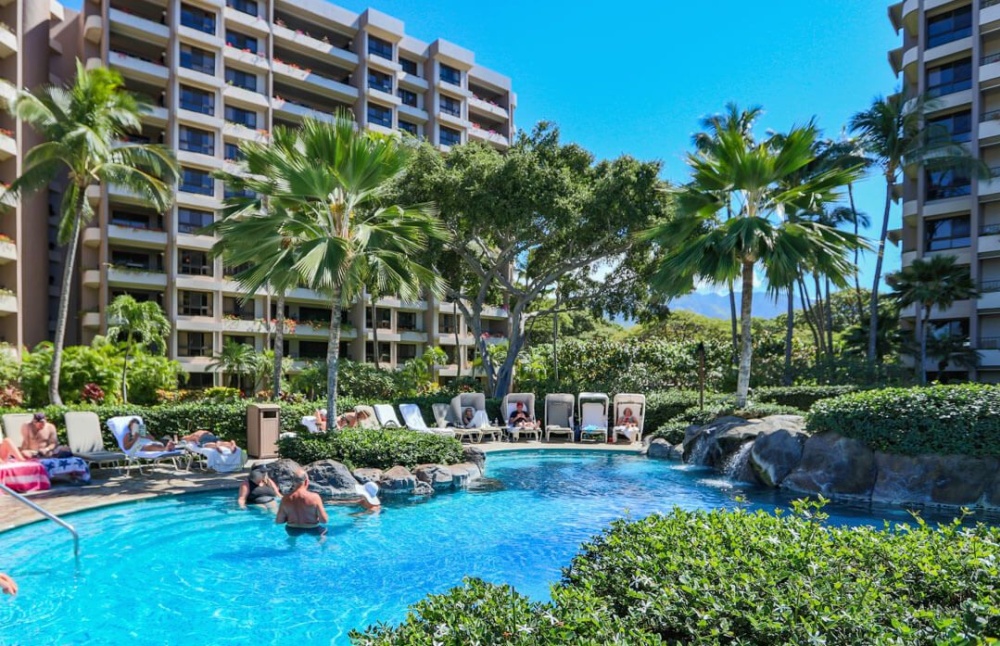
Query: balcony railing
x,y
988,3
945,192
989,342
949,88
989,229
989,286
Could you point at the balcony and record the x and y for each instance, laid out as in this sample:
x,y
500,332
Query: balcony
x,y
487,107
989,295
8,303
92,278
93,28
989,240
412,81
989,357
989,15
142,69
136,277
306,44
288,108
412,114
239,131
315,82
92,320
990,187
489,136
92,237
246,57
136,237
189,158
241,95
8,251
944,50
137,27
8,147
255,24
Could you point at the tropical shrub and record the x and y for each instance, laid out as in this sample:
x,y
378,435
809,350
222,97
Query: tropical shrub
x,y
358,380
82,364
149,373
672,432
220,394
961,419
801,397
379,449
92,394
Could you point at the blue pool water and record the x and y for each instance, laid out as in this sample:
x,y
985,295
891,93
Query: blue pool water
x,y
195,569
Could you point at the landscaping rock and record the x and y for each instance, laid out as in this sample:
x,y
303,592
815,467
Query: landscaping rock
x,y
423,489
364,475
331,479
935,479
464,474
397,480
436,475
775,454
280,472
834,465
475,455
661,449
714,444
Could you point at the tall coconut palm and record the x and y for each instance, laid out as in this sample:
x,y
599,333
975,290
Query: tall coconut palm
x,y
326,184
935,282
85,127
895,134
748,176
235,360
143,324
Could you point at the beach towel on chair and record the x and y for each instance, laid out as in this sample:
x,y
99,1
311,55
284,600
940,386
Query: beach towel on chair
x,y
23,477
70,468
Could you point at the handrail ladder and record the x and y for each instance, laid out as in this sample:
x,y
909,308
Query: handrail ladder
x,y
58,521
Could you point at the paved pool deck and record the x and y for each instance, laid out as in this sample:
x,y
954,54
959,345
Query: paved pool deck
x,y
109,488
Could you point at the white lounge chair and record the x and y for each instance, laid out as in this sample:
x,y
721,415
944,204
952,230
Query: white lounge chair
x,y
83,430
559,415
415,421
74,469
510,403
312,423
444,419
593,416
370,421
386,416
220,460
637,404
481,420
139,459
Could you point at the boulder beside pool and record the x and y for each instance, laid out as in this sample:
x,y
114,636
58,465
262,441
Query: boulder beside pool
x,y
280,471
437,476
331,479
397,481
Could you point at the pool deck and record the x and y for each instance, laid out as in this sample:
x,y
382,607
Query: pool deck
x,y
110,488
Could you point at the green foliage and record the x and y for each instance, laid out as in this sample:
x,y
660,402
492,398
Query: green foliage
x,y
220,394
938,419
418,374
800,397
149,373
81,364
672,432
364,381
379,449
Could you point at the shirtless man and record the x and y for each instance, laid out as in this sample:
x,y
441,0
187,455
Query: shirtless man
x,y
38,440
301,511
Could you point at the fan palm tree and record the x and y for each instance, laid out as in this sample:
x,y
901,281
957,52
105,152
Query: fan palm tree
x,y
952,349
141,323
326,219
748,176
85,128
235,360
936,282
895,134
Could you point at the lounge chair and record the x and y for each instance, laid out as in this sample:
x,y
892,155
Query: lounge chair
x,y
477,402
386,416
444,419
637,404
415,421
73,469
559,415
83,430
593,416
139,459
510,405
371,420
220,460
311,423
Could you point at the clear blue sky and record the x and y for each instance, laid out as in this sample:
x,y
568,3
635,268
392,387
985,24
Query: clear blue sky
x,y
635,77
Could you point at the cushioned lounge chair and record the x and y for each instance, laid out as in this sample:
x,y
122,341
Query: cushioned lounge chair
x,y
477,402
73,469
593,416
559,415
510,405
386,416
139,459
637,404
415,421
83,430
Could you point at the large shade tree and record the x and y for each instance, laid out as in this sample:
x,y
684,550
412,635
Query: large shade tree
x,y
136,323
85,128
541,212
749,177
328,219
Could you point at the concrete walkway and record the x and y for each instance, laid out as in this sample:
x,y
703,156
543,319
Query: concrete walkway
x,y
110,488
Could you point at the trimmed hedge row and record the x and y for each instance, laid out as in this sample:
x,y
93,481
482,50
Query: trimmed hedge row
x,y
376,449
800,397
736,577
946,420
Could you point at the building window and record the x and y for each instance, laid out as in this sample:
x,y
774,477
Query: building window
x,y
241,41
948,26
312,349
193,344
449,137
137,221
248,7
244,193
136,260
408,127
243,117
198,19
195,100
379,115
946,233
379,81
192,221
195,303
379,47
197,181
197,59
232,152
407,97
410,67
942,184
956,127
194,263
451,106
241,79
196,141
956,328
450,75
949,78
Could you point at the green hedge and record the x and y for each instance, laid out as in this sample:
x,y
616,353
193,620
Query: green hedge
x,y
913,421
736,577
800,397
378,449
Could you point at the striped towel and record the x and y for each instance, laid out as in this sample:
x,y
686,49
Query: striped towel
x,y
24,476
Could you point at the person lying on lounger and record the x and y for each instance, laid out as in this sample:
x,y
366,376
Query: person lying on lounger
x,y
136,439
351,419
521,418
38,440
7,585
320,416
208,440
301,511
258,489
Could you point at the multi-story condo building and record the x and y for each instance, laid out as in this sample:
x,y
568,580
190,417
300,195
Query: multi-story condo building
x,y
951,53
222,71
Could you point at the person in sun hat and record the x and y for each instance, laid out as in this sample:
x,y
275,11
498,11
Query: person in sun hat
x,y
369,496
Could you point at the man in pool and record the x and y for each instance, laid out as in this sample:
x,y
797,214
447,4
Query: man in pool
x,y
7,585
301,511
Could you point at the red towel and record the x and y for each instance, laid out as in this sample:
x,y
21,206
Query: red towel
x,y
24,476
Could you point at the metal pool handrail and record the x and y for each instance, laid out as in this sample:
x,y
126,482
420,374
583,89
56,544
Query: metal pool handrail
x,y
58,521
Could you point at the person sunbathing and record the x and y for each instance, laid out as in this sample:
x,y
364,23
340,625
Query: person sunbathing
x,y
38,440
351,419
208,440
258,489
301,511
520,418
136,439
320,416
467,416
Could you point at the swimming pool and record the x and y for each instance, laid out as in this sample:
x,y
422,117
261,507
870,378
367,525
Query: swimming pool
x,y
195,569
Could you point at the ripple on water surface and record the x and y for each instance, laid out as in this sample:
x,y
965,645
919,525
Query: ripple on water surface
x,y
195,569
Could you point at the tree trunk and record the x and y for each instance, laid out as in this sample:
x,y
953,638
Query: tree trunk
x,y
732,321
279,347
789,334
505,376
375,332
63,316
807,314
819,315
921,368
857,252
829,320
746,349
128,349
333,359
555,340
459,352
873,304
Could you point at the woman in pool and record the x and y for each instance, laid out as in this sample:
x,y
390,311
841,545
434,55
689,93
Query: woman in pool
x,y
137,440
258,489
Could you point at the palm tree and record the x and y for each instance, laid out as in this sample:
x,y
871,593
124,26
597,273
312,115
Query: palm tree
x,y
929,283
86,128
895,134
236,360
326,218
141,323
951,349
748,176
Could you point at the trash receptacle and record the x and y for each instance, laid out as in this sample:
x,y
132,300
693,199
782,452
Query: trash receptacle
x,y
263,429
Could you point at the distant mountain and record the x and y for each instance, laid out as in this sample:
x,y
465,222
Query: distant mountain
x,y
717,305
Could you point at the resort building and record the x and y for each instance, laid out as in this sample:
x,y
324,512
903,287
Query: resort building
x,y
219,72
951,53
